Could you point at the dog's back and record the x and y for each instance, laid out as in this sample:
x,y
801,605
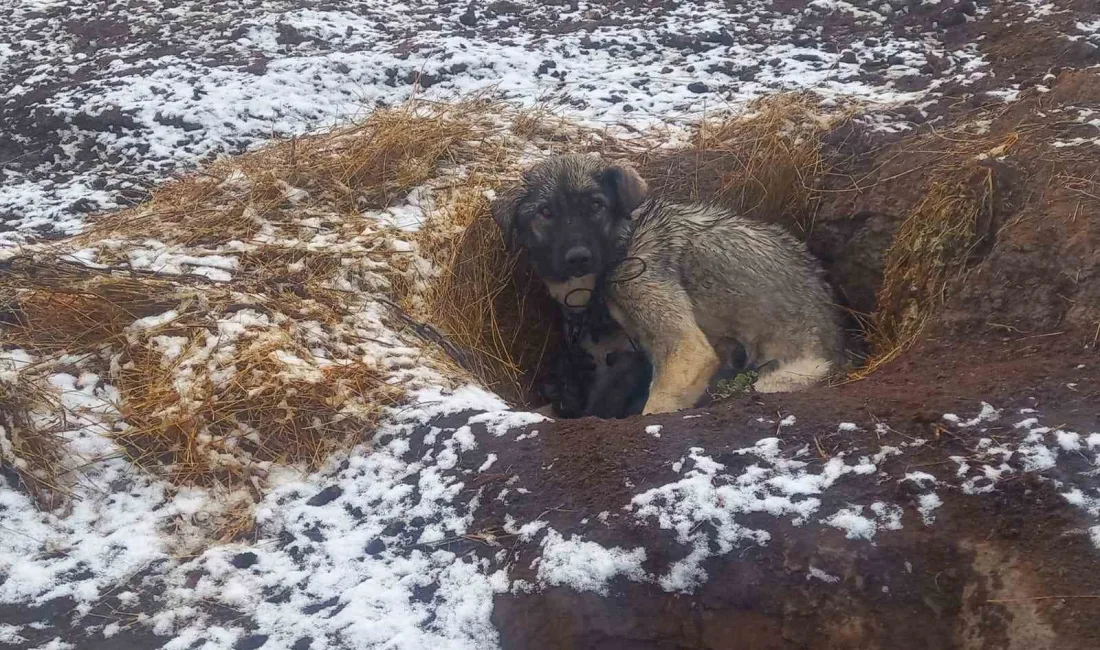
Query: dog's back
x,y
747,281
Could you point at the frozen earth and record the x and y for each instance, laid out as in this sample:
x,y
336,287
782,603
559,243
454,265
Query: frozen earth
x,y
100,100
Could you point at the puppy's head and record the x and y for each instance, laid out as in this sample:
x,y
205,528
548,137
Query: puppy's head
x,y
568,212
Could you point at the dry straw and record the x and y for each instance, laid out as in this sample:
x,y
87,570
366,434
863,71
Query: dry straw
x,y
33,453
766,163
933,245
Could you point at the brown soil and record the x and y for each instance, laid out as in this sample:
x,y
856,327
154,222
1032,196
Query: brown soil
x,y
1020,544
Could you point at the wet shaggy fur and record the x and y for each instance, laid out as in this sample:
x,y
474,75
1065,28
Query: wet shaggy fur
x,y
681,280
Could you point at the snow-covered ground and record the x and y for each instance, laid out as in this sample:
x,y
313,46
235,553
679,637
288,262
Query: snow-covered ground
x,y
360,554
98,101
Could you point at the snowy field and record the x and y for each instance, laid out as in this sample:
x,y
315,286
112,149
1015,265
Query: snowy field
x,y
98,101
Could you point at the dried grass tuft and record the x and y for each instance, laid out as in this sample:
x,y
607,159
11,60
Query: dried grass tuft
x,y
48,306
348,170
489,302
765,163
269,411
33,454
928,252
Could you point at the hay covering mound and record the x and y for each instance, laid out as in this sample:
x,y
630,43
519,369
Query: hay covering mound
x,y
267,310
258,313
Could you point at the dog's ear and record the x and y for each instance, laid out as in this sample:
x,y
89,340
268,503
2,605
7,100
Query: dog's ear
x,y
503,209
626,187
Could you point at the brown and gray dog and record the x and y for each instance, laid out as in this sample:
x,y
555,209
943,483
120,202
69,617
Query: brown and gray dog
x,y
681,280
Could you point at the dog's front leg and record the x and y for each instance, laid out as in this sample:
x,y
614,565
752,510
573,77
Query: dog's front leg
x,y
659,315
682,375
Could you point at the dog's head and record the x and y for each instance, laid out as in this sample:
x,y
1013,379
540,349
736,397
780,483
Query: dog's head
x,y
568,212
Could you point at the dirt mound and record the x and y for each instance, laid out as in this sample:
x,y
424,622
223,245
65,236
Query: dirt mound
x,y
990,573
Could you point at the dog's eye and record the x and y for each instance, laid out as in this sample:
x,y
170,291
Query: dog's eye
x,y
597,204
545,213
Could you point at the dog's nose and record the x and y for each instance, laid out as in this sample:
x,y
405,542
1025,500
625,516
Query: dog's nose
x,y
579,260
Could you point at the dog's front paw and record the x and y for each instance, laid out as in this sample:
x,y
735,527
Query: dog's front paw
x,y
662,404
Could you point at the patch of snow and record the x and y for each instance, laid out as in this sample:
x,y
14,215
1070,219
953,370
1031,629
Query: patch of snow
x,y
987,414
489,460
774,485
1068,440
500,422
927,504
527,531
853,523
922,479
587,566
817,574
654,430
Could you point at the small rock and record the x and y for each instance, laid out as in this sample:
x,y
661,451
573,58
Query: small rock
x,y
1081,51
849,56
698,87
314,608
911,82
807,57
244,560
325,496
895,59
911,114
375,546
505,8
952,19
84,205
288,35
469,18
251,642
627,108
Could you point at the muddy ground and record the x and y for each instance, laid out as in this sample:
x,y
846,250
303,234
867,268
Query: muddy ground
x,y
987,575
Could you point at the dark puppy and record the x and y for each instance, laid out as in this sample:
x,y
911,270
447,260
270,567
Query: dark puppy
x,y
681,280
597,370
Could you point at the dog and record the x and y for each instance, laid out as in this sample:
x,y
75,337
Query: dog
x,y
683,280
598,371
